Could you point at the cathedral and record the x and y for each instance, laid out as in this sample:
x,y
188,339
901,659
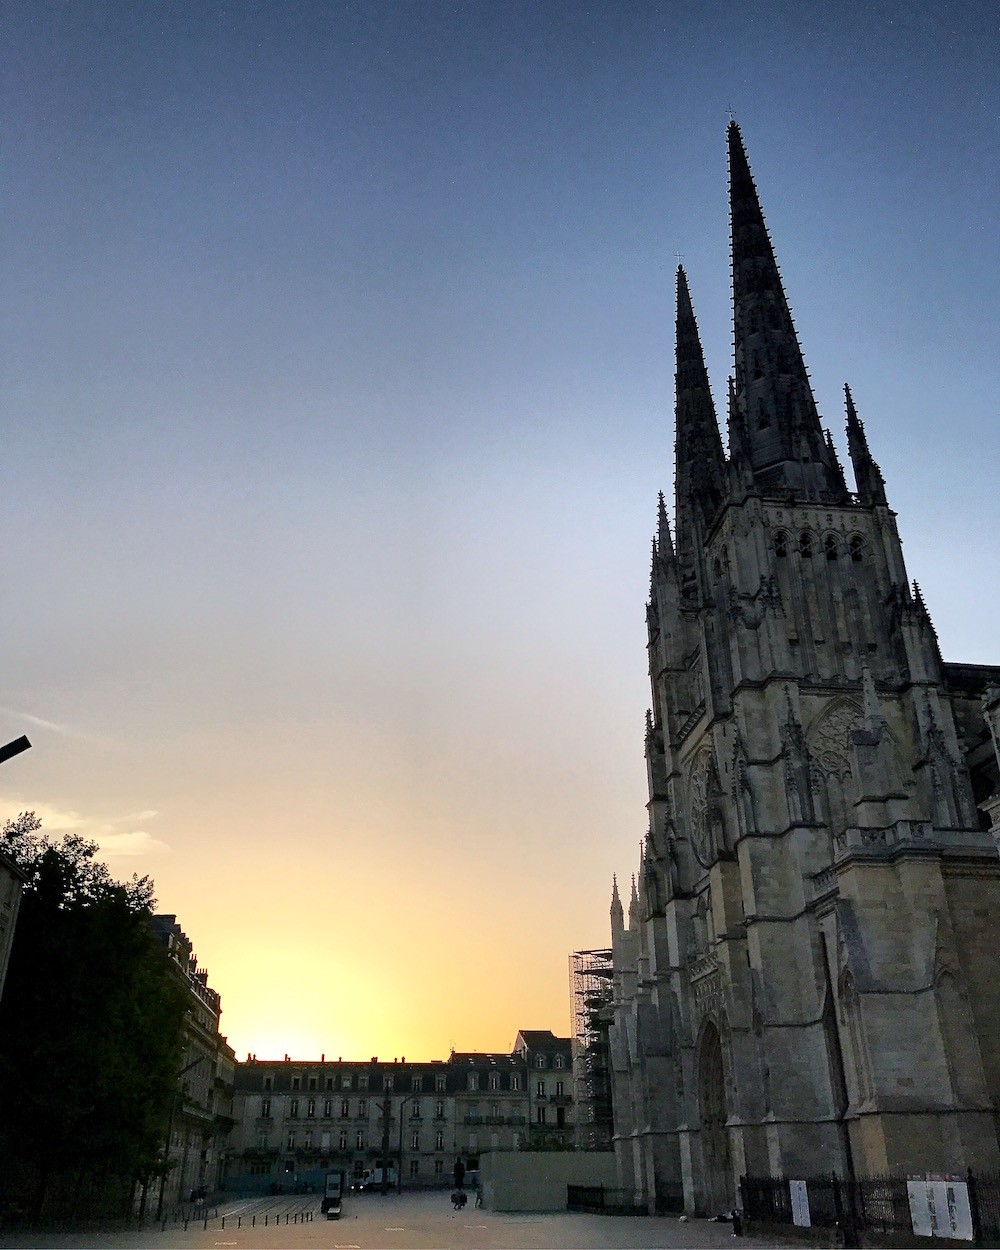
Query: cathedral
x,y
805,972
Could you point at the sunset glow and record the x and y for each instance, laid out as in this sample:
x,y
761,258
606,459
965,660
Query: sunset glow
x,y
339,393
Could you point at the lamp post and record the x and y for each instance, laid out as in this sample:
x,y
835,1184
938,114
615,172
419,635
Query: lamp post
x,y
177,1097
399,1174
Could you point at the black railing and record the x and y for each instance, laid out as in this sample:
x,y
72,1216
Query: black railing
x,y
600,1200
964,1207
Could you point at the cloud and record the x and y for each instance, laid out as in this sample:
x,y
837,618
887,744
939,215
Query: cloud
x,y
55,820
138,842
114,842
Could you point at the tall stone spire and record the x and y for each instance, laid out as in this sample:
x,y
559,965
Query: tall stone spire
x,y
664,541
867,475
788,450
699,457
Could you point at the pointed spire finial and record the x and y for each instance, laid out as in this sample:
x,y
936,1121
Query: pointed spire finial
x,y
787,447
699,458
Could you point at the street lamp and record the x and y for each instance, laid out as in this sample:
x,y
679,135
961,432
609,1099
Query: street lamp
x,y
399,1174
178,1096
13,748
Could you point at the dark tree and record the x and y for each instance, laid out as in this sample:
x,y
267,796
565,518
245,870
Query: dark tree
x,y
91,1025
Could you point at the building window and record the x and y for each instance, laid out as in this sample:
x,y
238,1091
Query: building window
x,y
439,1111
345,1107
312,1082
415,1111
345,1082
830,546
388,1083
494,1080
362,1082
559,1089
311,1108
362,1106
296,1082
441,1083
781,543
438,1167
293,1108
541,1115
541,1089
267,1082
343,1141
262,1142
418,1084
414,1141
327,1108
805,544
291,1140
329,1082
560,1061
265,1108
494,1111
539,1061
309,1141
439,1141
515,1083
856,547
414,1167
359,1141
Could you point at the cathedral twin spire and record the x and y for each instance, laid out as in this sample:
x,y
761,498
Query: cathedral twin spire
x,y
777,444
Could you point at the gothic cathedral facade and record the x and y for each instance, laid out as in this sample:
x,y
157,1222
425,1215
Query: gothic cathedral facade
x,y
806,978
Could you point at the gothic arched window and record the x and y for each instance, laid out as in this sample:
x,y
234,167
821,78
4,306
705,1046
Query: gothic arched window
x,y
831,546
856,546
781,543
805,544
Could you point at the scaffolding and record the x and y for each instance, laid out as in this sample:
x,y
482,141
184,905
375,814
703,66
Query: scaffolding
x,y
591,993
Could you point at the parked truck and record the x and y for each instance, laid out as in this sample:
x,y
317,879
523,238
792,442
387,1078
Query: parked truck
x,y
372,1179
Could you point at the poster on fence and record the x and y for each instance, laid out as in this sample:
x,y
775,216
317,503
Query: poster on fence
x,y
940,1209
800,1203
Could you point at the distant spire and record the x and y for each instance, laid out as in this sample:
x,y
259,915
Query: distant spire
x,y
773,393
699,457
617,911
664,541
633,905
867,475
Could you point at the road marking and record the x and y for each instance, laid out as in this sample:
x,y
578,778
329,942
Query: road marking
x,y
395,1230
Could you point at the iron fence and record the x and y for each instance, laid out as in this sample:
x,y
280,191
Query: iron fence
x,y
888,1206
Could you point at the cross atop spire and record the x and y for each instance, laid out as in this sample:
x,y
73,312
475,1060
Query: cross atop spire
x,y
788,450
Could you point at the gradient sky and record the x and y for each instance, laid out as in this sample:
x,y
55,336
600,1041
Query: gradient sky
x,y
337,389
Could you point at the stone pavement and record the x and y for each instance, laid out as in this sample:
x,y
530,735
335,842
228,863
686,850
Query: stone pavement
x,y
421,1221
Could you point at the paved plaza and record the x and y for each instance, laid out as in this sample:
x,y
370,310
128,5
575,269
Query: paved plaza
x,y
408,1222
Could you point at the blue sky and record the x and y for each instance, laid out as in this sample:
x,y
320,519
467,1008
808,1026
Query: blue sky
x,y
337,345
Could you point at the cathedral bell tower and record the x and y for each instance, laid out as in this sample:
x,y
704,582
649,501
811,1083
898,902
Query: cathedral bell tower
x,y
799,983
